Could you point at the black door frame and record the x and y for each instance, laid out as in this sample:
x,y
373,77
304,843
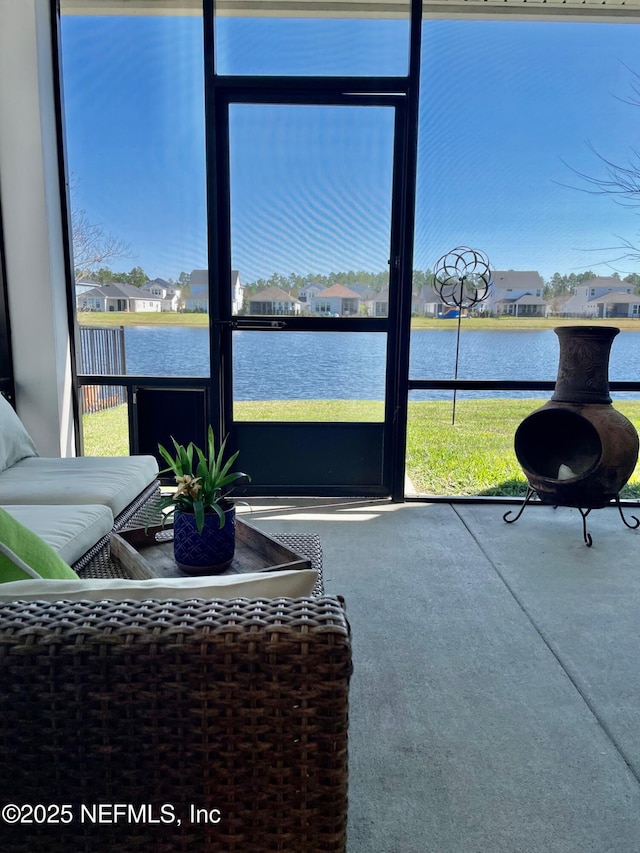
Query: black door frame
x,y
401,92
374,476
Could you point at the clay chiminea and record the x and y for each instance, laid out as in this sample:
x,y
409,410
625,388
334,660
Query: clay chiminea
x,y
577,450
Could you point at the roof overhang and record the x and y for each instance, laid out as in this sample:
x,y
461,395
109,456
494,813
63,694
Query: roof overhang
x,y
615,299
528,299
578,10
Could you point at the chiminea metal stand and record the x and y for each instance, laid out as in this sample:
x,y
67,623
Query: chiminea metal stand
x,y
577,450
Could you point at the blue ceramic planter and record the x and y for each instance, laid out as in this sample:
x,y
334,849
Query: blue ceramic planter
x,y
206,553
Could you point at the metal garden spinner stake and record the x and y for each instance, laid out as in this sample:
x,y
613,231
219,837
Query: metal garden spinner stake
x,y
462,279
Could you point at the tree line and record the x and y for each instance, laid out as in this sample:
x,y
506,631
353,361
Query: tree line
x,y
558,285
136,277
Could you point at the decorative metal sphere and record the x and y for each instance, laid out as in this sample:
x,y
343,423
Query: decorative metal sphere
x,y
462,277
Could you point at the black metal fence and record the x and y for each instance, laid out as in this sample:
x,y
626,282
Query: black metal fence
x,y
102,352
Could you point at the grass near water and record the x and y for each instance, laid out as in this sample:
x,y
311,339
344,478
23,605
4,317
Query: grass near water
x,y
486,324
473,457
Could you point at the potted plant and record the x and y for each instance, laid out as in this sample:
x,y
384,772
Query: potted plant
x,y
203,516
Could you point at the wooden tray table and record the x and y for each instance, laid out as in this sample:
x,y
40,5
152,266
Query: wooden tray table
x,y
149,554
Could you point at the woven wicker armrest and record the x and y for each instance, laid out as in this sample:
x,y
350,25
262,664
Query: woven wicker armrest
x,y
220,725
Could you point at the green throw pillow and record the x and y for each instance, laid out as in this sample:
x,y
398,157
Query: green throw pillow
x,y
19,545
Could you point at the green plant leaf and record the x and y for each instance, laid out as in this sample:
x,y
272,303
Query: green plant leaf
x,y
202,469
221,516
168,458
228,464
211,444
198,511
186,457
231,478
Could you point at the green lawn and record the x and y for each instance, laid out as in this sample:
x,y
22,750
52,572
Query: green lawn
x,y
473,457
141,318
170,318
476,456
106,433
310,410
505,323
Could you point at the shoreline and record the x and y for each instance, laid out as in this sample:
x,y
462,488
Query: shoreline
x,y
488,324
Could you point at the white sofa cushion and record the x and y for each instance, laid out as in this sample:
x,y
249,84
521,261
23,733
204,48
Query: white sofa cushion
x,y
292,583
70,530
15,441
112,481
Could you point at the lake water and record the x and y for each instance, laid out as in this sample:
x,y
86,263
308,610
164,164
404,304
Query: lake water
x,y
343,365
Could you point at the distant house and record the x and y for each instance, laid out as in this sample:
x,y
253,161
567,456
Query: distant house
x,y
518,293
197,298
84,284
377,304
526,305
336,300
309,291
367,296
602,297
616,304
118,297
425,302
274,300
168,293
361,289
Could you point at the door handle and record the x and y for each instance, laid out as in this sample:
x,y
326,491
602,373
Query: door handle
x,y
253,325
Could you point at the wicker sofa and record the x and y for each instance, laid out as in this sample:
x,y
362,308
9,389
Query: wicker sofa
x,y
198,725
74,503
165,720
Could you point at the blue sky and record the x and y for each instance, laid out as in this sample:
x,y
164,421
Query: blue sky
x,y
503,105
507,103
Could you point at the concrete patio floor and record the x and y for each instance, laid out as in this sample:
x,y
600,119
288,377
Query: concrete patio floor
x,y
495,702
